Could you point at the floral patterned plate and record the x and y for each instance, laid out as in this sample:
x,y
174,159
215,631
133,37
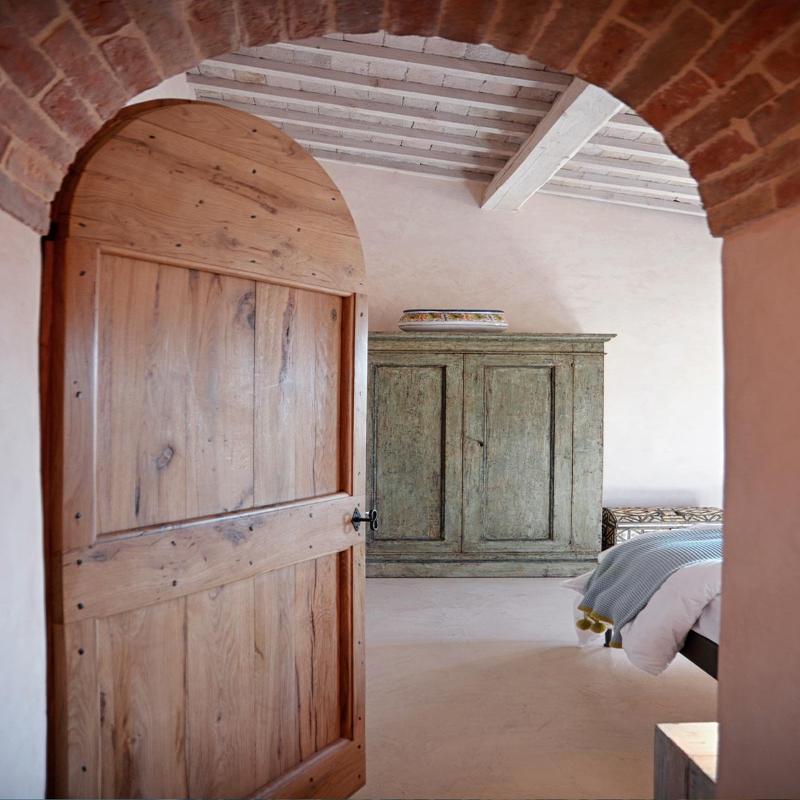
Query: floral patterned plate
x,y
452,319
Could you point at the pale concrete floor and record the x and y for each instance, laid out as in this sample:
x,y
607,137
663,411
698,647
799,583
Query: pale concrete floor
x,y
476,689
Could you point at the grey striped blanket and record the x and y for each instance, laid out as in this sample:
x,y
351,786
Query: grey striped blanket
x,y
630,574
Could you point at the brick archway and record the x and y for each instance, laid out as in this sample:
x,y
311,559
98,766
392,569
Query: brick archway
x,y
717,77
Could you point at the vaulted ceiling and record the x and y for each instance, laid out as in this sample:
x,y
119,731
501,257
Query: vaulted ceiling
x,y
453,110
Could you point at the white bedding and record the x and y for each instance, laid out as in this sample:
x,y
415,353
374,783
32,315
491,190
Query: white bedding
x,y
708,624
688,599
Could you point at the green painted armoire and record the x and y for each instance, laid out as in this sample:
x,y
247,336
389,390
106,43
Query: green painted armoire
x,y
485,453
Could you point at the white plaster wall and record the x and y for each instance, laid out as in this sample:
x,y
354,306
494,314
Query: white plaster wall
x,y
22,632
759,692
564,265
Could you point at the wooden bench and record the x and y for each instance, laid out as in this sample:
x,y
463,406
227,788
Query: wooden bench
x,y
685,761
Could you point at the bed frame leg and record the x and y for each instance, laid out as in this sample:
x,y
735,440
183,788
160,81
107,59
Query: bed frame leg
x,y
608,637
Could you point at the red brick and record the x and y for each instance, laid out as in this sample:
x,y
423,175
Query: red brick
x,y
419,17
29,126
746,36
131,63
355,16
768,164
100,17
261,21
309,18
722,10
517,24
646,13
720,153
665,57
684,93
565,34
33,170
725,217
71,52
5,138
777,117
213,26
69,112
611,52
787,191
784,61
167,32
23,205
466,21
736,103
23,63
32,15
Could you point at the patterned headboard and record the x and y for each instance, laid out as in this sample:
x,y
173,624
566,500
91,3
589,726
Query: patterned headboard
x,y
623,523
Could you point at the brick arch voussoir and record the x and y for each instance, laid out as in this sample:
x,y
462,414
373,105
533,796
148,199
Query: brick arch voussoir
x,y
718,78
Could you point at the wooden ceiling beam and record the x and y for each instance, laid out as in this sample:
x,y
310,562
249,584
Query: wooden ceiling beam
x,y
332,77
302,118
415,154
467,68
680,174
620,198
575,177
629,122
317,100
387,164
634,148
573,119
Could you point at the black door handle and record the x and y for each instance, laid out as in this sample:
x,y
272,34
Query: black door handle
x,y
371,518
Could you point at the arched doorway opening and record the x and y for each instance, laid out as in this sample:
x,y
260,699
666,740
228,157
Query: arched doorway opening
x,y
717,79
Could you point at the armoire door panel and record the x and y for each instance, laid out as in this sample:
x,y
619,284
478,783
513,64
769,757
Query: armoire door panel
x,y
297,407
175,393
518,453
415,441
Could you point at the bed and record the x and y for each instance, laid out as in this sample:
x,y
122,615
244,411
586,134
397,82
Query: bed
x,y
701,645
679,613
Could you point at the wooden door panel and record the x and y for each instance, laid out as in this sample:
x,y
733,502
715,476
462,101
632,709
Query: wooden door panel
x,y
517,453
297,406
175,394
221,726
317,653
141,705
276,701
242,215
415,438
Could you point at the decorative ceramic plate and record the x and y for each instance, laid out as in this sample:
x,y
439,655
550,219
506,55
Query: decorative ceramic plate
x,y
452,319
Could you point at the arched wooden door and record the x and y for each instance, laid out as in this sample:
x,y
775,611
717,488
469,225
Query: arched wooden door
x,y
204,343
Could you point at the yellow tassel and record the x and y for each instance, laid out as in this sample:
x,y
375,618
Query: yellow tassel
x,y
584,624
598,627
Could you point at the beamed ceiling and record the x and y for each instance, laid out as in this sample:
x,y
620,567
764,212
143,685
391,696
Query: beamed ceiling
x,y
452,110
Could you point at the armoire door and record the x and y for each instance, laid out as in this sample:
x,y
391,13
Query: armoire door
x,y
414,442
517,453
205,400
